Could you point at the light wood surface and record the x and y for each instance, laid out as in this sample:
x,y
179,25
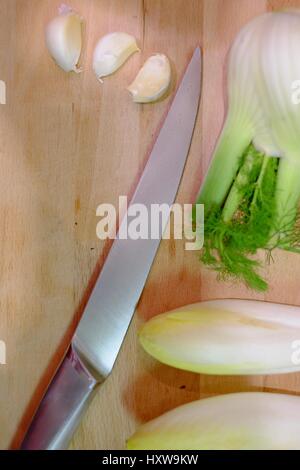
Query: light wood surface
x,y
68,144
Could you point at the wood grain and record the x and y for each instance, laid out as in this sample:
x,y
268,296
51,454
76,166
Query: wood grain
x,y
68,144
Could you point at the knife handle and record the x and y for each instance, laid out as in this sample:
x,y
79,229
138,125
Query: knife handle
x,y
62,407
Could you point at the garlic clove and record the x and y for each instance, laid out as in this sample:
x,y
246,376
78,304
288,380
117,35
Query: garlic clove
x,y
64,39
153,80
111,53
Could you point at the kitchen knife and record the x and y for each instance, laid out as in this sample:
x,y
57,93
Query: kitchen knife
x,y
108,313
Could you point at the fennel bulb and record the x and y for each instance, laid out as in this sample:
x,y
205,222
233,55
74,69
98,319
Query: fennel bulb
x,y
252,190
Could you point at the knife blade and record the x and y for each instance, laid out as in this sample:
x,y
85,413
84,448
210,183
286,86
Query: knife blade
x,y
108,313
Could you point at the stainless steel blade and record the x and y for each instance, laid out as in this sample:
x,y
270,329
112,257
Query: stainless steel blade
x,y
101,331
113,301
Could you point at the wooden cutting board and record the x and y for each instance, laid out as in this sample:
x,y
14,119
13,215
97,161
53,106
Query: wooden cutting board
x,y
68,144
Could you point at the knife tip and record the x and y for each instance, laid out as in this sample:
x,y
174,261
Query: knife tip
x,y
197,52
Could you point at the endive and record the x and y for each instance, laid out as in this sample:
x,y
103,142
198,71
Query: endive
x,y
238,421
227,337
252,189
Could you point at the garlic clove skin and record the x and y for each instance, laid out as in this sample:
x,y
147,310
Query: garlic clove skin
x,y
152,81
111,52
64,39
